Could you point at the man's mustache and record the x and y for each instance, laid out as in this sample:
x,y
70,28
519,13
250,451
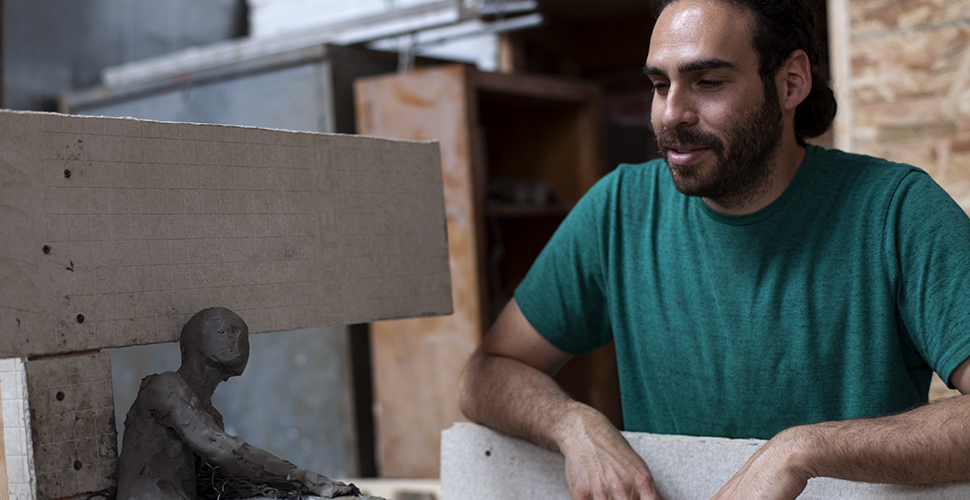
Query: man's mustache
x,y
681,137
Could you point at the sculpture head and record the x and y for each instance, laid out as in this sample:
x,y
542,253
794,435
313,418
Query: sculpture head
x,y
218,338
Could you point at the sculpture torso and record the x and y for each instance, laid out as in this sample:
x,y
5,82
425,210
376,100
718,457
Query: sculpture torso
x,y
156,460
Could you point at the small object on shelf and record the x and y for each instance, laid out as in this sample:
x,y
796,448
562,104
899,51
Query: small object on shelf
x,y
507,189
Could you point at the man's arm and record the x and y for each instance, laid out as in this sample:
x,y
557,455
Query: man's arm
x,y
178,408
930,444
508,386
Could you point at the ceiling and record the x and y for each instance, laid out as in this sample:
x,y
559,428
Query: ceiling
x,y
602,40
587,8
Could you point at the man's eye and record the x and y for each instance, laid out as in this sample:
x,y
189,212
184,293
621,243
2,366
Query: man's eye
x,y
709,84
660,88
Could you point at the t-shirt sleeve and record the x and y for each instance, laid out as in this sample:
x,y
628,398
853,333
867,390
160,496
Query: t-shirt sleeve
x,y
564,294
930,235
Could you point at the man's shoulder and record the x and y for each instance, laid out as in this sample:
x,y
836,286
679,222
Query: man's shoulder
x,y
860,164
862,178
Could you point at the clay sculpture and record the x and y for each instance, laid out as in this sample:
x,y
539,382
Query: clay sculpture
x,y
172,431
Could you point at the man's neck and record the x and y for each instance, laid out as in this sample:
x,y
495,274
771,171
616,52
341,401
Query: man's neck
x,y
786,162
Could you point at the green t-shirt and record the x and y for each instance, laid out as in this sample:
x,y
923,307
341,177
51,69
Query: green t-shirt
x,y
836,301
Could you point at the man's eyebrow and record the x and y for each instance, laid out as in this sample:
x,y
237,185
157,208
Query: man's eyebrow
x,y
703,64
699,65
653,71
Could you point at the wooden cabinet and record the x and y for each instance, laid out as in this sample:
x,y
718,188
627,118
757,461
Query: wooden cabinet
x,y
517,153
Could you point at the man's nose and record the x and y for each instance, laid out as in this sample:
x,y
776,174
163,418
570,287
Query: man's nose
x,y
678,108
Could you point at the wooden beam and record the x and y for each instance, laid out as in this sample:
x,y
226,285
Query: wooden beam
x,y
840,63
113,232
72,425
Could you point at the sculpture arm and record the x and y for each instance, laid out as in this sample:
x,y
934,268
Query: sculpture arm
x,y
930,444
508,386
179,409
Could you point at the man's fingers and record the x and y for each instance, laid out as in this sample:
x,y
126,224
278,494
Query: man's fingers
x,y
647,489
637,488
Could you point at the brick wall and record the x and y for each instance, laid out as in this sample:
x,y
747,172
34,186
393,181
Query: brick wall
x,y
909,84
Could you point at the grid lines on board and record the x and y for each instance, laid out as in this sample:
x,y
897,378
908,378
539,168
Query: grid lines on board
x,y
132,226
155,219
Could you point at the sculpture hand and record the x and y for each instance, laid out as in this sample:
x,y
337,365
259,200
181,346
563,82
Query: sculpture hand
x,y
328,488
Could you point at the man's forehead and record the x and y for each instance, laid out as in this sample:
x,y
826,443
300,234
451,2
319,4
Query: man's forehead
x,y
700,30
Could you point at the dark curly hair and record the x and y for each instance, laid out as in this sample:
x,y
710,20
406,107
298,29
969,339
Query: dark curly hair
x,y
782,27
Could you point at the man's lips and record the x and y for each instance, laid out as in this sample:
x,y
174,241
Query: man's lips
x,y
685,155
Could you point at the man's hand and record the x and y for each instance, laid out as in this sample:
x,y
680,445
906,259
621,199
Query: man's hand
x,y
601,465
772,473
508,386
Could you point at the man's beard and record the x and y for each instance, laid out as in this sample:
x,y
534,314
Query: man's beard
x,y
743,166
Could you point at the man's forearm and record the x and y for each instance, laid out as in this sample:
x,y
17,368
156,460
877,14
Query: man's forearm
x,y
930,444
522,401
516,399
508,386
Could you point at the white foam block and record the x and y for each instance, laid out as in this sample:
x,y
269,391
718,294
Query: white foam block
x,y
480,464
113,232
18,452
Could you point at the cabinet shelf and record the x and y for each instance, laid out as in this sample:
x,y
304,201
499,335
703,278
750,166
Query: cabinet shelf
x,y
512,210
543,132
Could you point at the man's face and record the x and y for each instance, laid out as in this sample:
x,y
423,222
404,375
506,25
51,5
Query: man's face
x,y
716,125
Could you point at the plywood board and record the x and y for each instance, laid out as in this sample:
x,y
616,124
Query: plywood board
x,y
415,401
113,232
18,476
488,125
72,416
480,464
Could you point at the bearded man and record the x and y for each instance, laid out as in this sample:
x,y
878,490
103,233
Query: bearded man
x,y
755,286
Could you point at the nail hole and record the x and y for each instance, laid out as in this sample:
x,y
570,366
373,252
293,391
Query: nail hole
x,y
67,174
80,318
60,396
47,249
488,453
77,465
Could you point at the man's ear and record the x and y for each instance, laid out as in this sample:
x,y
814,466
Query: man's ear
x,y
795,80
